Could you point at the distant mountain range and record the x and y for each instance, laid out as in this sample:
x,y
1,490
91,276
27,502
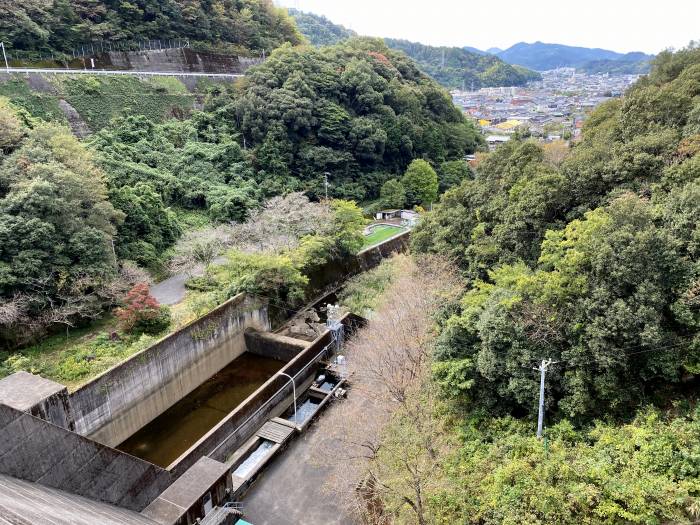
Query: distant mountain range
x,y
453,67
469,67
541,57
456,67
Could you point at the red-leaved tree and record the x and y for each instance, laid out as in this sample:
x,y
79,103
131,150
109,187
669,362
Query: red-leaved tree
x,y
141,311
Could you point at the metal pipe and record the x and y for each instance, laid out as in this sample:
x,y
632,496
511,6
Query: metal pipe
x,y
294,394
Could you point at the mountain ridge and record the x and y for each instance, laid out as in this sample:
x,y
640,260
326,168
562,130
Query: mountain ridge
x,y
542,56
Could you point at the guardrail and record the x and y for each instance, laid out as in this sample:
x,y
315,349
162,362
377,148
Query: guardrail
x,y
58,71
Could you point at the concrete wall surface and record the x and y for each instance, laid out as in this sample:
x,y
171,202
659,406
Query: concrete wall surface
x,y
25,503
373,256
119,402
334,273
35,450
39,397
268,344
269,401
183,501
173,60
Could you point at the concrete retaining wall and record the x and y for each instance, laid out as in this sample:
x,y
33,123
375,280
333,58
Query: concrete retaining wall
x,y
333,274
275,346
269,401
35,450
183,60
116,404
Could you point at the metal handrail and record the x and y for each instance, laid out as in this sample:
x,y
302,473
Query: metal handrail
x,y
249,418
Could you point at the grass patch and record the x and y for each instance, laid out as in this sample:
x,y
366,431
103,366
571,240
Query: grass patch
x,y
79,356
101,99
362,293
381,233
40,105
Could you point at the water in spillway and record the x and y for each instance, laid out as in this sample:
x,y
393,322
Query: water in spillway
x,y
304,411
253,459
165,438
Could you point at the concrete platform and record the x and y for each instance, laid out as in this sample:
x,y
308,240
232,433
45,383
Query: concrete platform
x,y
23,391
26,503
185,494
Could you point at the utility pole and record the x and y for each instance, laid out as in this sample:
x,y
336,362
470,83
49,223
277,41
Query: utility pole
x,y
7,65
325,179
540,416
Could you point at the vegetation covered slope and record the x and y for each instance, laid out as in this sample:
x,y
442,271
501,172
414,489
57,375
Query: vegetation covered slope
x,y
62,25
358,111
541,57
319,30
456,67
592,261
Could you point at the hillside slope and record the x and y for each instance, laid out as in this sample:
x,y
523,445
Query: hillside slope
x,y
59,27
456,67
319,30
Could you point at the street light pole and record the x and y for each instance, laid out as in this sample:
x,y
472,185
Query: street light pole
x,y
294,394
325,178
7,65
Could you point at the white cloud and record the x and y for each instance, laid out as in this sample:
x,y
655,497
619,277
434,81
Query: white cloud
x,y
620,25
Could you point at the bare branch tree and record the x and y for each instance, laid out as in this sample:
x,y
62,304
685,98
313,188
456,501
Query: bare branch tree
x,y
384,425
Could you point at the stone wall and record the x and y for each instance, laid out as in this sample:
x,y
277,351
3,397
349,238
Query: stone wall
x,y
119,402
35,450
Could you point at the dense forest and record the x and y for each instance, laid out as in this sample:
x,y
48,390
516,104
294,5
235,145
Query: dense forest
x,y
319,30
456,67
62,25
591,261
357,111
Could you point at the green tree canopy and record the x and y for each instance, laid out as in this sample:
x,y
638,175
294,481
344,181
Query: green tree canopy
x,y
420,182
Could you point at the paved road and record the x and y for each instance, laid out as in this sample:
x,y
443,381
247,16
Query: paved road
x,y
107,72
172,290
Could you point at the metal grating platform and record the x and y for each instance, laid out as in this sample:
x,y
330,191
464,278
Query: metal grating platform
x,y
275,432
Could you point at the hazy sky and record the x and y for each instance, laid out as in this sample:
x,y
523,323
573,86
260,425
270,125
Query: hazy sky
x,y
620,25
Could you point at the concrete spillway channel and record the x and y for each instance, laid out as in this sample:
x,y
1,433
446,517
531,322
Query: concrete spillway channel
x,y
173,433
176,430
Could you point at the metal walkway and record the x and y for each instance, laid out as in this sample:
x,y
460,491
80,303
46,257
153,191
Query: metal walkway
x,y
275,431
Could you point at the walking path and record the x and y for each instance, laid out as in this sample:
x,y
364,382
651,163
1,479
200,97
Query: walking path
x,y
291,489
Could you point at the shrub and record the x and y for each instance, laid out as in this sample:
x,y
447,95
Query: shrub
x,y
142,313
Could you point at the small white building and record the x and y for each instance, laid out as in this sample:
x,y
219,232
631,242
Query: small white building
x,y
385,215
409,218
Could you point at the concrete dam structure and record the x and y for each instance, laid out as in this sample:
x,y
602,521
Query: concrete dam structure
x,y
153,437
172,433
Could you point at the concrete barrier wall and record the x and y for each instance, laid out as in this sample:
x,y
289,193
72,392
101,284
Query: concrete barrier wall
x,y
372,257
119,402
35,450
268,344
334,273
269,401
